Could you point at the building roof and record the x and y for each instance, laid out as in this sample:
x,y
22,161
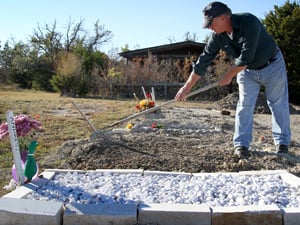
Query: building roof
x,y
174,50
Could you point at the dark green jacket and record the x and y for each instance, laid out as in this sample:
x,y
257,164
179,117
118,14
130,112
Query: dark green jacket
x,y
251,46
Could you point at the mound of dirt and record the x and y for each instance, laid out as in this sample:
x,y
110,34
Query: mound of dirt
x,y
261,107
185,139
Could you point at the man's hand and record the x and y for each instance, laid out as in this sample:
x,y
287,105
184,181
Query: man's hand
x,y
187,87
230,74
181,94
225,79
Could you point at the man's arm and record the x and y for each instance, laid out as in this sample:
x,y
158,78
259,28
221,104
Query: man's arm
x,y
186,88
230,74
193,78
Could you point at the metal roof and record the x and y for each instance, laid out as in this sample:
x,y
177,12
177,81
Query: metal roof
x,y
176,50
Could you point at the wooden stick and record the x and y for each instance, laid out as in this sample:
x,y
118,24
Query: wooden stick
x,y
136,98
144,92
152,94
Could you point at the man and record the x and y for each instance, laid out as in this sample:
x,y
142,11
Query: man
x,y
258,62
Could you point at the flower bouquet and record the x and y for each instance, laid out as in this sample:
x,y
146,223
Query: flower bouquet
x,y
145,104
24,125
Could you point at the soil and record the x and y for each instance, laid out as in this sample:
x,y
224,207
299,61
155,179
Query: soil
x,y
185,139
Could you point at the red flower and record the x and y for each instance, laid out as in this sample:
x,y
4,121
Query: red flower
x,y
148,95
155,125
151,104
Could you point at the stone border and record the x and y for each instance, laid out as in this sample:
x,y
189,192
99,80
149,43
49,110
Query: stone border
x,y
14,209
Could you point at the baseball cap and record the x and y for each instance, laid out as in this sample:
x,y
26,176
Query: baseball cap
x,y
213,10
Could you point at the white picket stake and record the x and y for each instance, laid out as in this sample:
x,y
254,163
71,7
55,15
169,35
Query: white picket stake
x,y
152,94
15,146
144,92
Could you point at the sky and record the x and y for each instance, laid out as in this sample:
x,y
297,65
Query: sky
x,y
136,23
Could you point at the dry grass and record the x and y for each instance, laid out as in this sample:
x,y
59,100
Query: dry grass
x,y
60,120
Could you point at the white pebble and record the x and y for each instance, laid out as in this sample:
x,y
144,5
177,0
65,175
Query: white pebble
x,y
210,189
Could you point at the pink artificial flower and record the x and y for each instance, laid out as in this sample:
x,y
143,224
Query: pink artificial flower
x,y
23,126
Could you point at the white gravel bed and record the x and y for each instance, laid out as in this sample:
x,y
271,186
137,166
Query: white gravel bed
x,y
209,189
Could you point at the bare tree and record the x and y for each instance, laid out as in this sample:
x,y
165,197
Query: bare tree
x,y
190,37
47,41
72,34
101,36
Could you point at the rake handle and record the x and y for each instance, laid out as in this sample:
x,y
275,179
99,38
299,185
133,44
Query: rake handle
x,y
84,117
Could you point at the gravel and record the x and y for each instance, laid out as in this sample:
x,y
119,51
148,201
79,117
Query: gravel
x,y
190,141
213,189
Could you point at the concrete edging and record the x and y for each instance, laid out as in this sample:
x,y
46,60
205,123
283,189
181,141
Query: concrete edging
x,y
13,207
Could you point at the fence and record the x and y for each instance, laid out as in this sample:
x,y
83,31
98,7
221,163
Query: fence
x,y
162,90
167,91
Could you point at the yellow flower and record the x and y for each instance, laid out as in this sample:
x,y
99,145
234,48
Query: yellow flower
x,y
129,126
143,103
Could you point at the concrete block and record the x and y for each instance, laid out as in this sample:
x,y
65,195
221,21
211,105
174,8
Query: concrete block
x,y
28,212
263,172
216,174
65,170
174,214
291,179
247,215
48,175
291,216
165,173
104,214
22,191
120,171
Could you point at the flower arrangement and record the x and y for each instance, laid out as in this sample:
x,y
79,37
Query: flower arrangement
x,y
145,104
24,125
